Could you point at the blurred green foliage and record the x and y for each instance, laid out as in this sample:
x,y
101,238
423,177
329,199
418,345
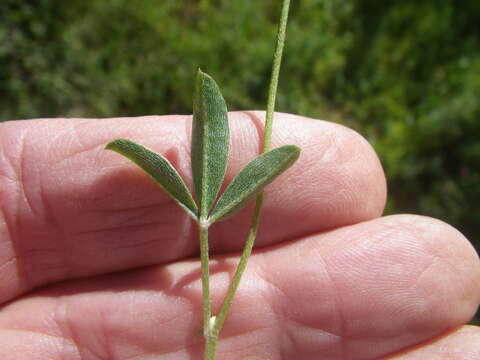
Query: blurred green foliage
x,y
406,74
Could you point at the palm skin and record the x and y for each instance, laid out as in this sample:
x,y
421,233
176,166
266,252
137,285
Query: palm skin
x,y
98,263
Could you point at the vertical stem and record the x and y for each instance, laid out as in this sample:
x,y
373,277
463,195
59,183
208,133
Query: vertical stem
x,y
277,61
210,348
206,303
258,204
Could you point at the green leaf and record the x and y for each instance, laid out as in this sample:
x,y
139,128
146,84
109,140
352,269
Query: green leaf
x,y
252,179
209,153
160,169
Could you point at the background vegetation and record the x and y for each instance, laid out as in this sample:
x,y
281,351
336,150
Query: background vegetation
x,y
406,74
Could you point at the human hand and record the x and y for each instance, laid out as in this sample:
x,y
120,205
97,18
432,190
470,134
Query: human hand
x,y
96,262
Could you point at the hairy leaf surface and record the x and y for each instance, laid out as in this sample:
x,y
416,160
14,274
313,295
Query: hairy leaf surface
x,y
252,179
160,169
210,136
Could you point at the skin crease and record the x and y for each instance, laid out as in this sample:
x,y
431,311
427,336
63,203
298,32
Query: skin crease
x,y
98,263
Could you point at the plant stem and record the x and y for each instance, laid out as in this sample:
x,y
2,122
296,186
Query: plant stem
x,y
277,59
206,300
242,264
210,347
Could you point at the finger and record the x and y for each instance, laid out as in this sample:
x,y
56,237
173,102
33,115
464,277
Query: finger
x,y
462,343
73,209
359,292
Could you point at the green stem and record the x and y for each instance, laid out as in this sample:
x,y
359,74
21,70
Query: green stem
x,y
242,264
277,59
206,303
210,348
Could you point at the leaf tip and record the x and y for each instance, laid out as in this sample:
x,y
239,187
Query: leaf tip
x,y
113,145
203,76
200,74
293,148
293,151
